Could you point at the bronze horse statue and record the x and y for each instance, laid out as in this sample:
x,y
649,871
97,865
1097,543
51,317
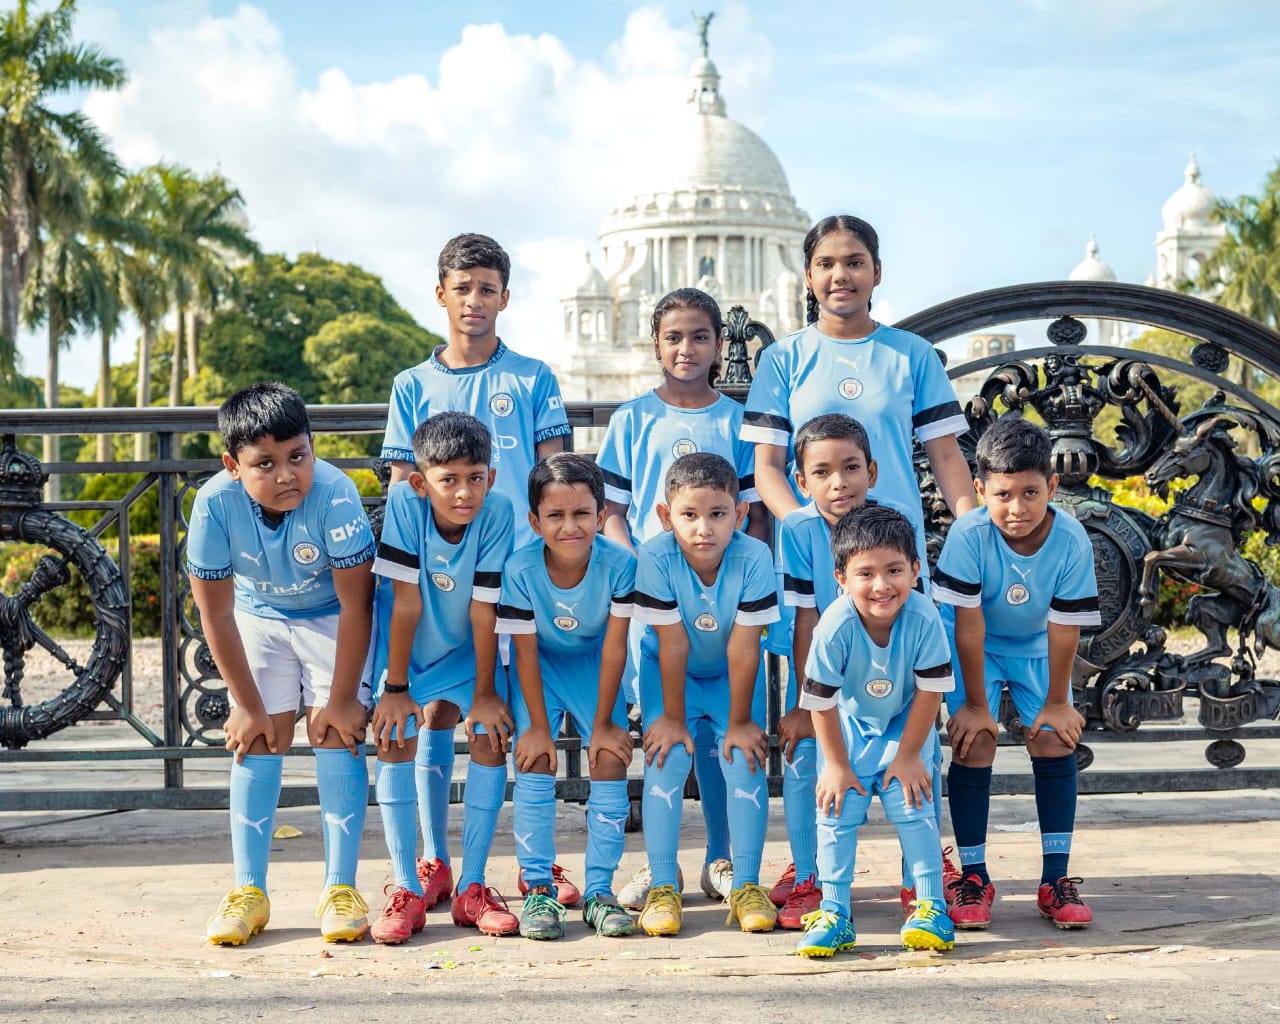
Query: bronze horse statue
x,y
1198,540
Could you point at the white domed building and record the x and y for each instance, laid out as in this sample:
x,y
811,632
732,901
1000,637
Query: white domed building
x,y
1189,234
1092,268
722,218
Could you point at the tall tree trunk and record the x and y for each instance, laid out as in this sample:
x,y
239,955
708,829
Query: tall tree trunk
x,y
8,299
105,453
193,344
175,376
51,446
146,343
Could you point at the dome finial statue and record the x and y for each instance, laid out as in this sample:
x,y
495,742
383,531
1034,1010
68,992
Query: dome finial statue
x,y
703,21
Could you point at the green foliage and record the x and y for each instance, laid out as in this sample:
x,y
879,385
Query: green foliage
x,y
1245,267
274,331
68,610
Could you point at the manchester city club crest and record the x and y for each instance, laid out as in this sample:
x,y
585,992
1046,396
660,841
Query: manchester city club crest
x,y
683,447
706,622
443,581
566,622
850,388
1017,594
879,687
502,404
305,553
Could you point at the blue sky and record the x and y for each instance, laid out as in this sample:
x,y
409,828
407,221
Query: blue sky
x,y
986,142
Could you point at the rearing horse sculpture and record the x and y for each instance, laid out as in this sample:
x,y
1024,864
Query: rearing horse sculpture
x,y
1197,540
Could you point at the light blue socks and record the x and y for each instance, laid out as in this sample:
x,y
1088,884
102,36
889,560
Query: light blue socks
x,y
607,811
255,791
486,789
396,793
343,783
433,765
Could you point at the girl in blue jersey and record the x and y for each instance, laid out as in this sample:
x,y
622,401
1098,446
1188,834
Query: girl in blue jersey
x,y
683,414
844,361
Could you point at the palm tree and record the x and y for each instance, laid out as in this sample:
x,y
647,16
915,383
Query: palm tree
x,y
1246,263
143,286
42,150
199,228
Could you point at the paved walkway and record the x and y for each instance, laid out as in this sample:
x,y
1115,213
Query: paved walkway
x,y
1168,875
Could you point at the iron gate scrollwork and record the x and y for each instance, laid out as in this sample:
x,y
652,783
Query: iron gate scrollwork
x,y
22,519
1124,675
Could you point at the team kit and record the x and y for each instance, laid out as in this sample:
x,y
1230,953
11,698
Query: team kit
x,y
516,587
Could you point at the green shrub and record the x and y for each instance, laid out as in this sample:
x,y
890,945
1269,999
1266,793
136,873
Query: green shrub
x,y
68,610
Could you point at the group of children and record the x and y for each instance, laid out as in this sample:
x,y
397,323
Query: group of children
x,y
516,586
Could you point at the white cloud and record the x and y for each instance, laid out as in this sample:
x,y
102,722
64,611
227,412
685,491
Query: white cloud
x,y
510,134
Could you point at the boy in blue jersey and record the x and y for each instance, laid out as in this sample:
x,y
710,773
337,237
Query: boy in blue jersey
x,y
874,678
566,601
278,554
445,539
683,414
1016,582
706,591
519,400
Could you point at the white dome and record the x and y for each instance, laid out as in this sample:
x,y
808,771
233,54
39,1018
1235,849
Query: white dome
x,y
1091,268
593,282
1191,204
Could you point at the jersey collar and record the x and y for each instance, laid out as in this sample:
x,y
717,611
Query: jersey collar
x,y
434,362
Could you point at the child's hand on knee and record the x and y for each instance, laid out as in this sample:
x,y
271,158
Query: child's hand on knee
x,y
967,724
533,745
609,737
393,713
663,736
1063,719
794,726
750,739
915,778
243,726
495,717
834,781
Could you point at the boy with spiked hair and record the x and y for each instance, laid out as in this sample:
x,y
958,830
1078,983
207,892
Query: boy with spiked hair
x,y
518,399
566,601
705,591
874,679
444,542
1016,582
278,554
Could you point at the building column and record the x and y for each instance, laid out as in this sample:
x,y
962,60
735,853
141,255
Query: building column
x,y
691,265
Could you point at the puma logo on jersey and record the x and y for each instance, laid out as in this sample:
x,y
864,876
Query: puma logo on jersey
x,y
568,608
240,819
255,559
880,668
332,819
1022,575
852,363
754,795
654,790
614,823
344,500
567,622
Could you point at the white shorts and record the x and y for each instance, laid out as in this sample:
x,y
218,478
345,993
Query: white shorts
x,y
291,660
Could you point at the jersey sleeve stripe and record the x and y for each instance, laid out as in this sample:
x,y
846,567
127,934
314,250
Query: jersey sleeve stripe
x,y
934,414
515,620
390,453
948,589
616,479
766,420
394,570
387,553
488,580
1081,618
1074,604
949,427
201,573
937,679
616,494
508,611
546,433
758,618
759,604
816,696
485,595
621,609
351,561
655,615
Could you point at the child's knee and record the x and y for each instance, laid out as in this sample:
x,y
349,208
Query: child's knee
x,y
481,752
441,714
608,767
1048,744
980,754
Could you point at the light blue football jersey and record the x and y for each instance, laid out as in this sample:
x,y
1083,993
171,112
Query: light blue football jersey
x,y
891,381
515,396
1019,594
873,685
282,569
449,576
646,435
808,566
669,591
567,622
